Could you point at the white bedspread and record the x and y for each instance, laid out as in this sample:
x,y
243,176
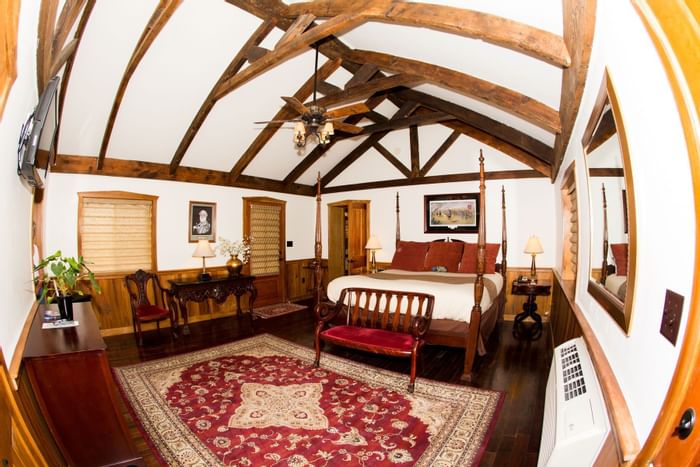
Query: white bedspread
x,y
452,301
617,285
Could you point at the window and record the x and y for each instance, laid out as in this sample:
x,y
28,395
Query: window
x,y
570,225
116,231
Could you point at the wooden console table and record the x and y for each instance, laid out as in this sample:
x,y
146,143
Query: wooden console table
x,y
217,288
66,379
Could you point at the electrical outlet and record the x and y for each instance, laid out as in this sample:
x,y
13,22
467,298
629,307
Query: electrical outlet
x,y
290,243
671,319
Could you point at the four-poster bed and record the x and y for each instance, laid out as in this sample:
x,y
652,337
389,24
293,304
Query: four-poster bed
x,y
456,322
613,277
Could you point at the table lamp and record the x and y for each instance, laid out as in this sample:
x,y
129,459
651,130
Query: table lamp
x,y
373,245
203,250
534,248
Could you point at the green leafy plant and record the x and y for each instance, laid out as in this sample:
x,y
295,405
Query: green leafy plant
x,y
63,276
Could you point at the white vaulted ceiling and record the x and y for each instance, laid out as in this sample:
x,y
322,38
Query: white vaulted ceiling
x,y
143,70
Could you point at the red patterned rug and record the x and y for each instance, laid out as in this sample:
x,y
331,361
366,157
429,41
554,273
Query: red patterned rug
x,y
259,402
270,311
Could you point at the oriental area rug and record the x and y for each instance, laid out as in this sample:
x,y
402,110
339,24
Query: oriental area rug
x,y
260,402
270,311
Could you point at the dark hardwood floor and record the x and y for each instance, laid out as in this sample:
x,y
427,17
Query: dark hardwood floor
x,y
519,368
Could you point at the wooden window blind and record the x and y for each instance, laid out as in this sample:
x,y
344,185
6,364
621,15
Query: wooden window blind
x,y
265,231
117,231
570,226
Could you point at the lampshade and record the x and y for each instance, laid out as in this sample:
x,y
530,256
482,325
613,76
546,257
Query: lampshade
x,y
203,250
373,244
533,247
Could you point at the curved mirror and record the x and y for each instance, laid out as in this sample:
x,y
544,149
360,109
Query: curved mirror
x,y
611,274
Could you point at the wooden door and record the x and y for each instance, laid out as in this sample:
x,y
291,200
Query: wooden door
x,y
264,222
358,220
336,241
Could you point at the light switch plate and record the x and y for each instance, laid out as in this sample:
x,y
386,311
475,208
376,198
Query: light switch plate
x,y
671,319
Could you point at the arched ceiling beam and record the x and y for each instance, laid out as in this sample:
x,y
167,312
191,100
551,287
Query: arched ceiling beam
x,y
66,20
159,19
579,25
47,21
233,67
518,139
285,113
503,98
294,47
364,90
534,42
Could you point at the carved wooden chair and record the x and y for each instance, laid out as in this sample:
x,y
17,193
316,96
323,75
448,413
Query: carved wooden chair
x,y
142,310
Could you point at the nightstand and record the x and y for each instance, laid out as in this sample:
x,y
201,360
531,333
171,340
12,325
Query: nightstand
x,y
531,290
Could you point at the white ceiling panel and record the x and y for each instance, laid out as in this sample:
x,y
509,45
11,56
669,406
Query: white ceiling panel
x,y
334,155
359,171
430,138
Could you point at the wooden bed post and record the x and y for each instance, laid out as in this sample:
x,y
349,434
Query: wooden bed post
x,y
398,223
316,263
604,271
472,339
504,236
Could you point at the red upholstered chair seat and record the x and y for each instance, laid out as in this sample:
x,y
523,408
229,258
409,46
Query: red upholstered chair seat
x,y
148,312
376,339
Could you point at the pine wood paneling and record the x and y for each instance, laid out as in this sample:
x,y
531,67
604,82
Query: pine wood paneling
x,y
514,303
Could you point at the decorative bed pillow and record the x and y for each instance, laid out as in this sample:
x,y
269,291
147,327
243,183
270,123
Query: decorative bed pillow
x,y
410,256
445,254
468,262
619,251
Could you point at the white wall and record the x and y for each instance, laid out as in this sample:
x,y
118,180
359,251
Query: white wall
x,y
174,251
15,239
642,361
529,207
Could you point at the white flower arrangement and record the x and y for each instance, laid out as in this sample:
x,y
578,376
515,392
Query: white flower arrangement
x,y
240,249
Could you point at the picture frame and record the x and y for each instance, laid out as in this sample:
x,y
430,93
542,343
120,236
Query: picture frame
x,y
453,213
202,215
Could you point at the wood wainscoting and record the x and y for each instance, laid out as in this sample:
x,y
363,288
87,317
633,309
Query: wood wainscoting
x,y
113,310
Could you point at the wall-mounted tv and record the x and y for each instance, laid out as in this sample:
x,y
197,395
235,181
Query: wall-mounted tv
x,y
37,147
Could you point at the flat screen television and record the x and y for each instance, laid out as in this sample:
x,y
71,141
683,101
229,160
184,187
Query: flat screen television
x,y
37,141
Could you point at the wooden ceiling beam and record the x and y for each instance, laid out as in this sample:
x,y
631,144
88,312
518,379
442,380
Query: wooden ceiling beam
x,y
415,150
294,47
296,29
286,112
156,23
430,163
579,25
393,124
364,90
392,159
233,67
326,88
362,75
406,109
503,32
504,146
451,178
66,20
150,170
47,22
500,97
499,130
62,57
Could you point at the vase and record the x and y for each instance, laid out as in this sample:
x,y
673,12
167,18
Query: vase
x,y
65,306
234,266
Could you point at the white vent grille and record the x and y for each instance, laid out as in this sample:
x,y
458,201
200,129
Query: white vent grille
x,y
575,422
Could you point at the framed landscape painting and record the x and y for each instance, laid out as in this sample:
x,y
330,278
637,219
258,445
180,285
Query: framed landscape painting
x,y
202,221
455,213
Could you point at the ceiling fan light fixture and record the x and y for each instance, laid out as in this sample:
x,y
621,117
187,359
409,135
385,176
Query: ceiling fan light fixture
x,y
300,135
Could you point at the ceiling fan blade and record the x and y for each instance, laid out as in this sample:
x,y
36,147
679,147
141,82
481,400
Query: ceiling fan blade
x,y
294,103
353,109
348,128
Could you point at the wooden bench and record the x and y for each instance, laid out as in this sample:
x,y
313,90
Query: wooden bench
x,y
386,322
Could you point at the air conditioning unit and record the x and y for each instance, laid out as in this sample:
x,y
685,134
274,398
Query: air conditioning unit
x,y
575,423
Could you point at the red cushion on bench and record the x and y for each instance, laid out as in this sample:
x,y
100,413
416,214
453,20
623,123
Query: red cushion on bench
x,y
349,335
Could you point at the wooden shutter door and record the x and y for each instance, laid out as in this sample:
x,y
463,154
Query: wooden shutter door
x,y
263,221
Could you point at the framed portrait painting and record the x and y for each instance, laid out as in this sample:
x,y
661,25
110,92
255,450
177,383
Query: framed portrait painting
x,y
455,213
202,221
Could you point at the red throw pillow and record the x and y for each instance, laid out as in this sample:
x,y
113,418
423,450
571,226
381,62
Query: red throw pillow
x,y
409,256
619,251
445,254
468,261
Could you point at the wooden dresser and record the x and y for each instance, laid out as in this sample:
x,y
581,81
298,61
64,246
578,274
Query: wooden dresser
x,y
66,379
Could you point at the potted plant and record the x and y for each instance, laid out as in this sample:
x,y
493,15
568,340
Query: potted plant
x,y
238,252
60,282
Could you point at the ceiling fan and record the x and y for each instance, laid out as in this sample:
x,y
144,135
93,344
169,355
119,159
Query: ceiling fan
x,y
316,120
